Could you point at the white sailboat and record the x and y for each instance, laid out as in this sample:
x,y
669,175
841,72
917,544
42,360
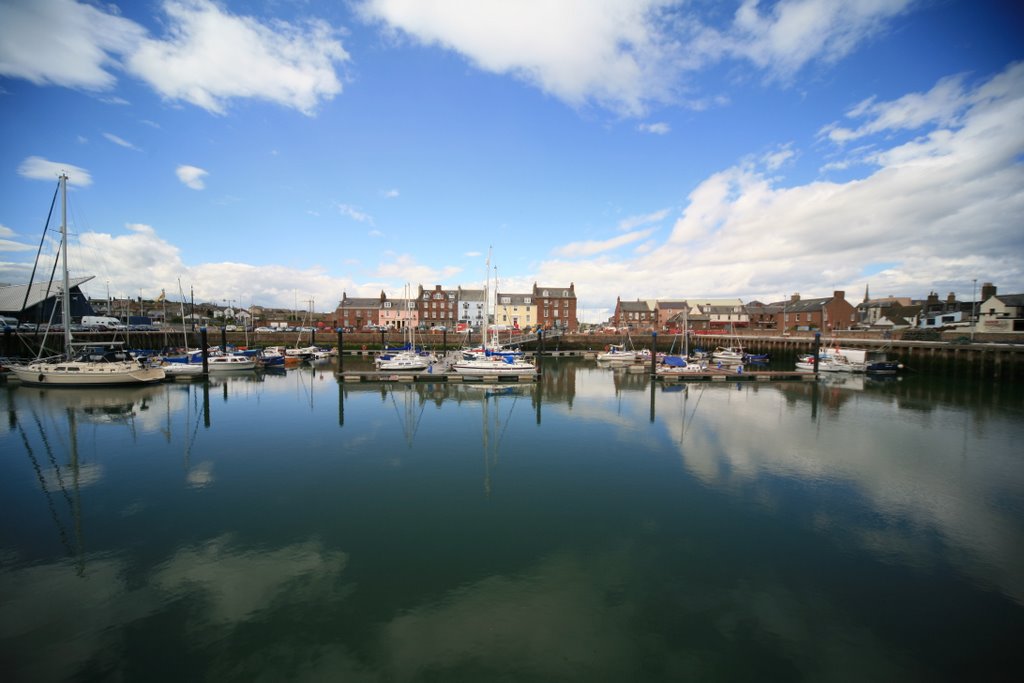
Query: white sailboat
x,y
407,359
489,365
93,366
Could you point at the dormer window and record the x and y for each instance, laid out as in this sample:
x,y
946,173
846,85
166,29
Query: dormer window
x,y
527,300
544,293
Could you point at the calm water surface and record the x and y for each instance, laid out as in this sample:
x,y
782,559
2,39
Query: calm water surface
x,y
590,527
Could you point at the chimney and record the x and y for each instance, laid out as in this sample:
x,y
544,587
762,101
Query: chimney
x,y
839,294
988,290
794,298
951,298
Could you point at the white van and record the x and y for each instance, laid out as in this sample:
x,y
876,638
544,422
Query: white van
x,y
102,322
6,322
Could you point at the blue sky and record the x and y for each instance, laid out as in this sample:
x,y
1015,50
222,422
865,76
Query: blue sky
x,y
278,152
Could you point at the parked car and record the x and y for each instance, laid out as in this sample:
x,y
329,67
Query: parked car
x,y
264,329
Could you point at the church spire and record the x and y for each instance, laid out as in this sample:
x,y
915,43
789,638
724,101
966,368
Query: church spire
x,y
867,297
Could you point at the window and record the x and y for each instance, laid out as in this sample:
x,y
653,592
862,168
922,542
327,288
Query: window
x,y
506,299
527,300
544,293
387,304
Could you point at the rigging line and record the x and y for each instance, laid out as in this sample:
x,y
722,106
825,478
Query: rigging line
x,y
61,532
191,442
694,411
501,435
42,241
53,460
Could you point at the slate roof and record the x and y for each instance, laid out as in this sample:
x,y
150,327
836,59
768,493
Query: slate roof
x,y
471,294
634,306
809,305
555,292
12,296
514,299
1016,300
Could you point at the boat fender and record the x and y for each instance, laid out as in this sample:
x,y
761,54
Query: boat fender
x,y
364,347
42,377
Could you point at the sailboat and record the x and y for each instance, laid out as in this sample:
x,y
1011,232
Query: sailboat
x,y
489,365
406,358
681,365
92,366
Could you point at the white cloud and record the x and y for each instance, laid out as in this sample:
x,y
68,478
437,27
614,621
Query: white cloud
x,y
210,56
636,221
38,168
792,33
655,128
943,104
61,42
943,207
120,141
191,176
605,51
389,194
355,214
207,57
591,247
7,244
404,268
627,55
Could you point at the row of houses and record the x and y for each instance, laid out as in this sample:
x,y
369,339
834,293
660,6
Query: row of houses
x,y
459,308
993,312
555,307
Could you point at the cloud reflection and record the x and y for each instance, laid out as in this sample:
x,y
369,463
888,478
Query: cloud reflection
x,y
919,475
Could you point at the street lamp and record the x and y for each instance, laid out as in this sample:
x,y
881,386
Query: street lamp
x,y
974,307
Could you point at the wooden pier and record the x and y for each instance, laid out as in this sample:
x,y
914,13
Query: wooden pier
x,y
453,377
745,376
711,375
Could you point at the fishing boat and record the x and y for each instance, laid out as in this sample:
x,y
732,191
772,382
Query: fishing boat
x,y
92,366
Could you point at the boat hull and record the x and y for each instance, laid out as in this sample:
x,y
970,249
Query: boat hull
x,y
76,373
501,369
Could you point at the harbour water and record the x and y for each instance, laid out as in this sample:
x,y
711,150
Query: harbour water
x,y
592,526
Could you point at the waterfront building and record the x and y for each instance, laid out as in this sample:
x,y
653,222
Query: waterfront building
x,y
723,314
632,315
1000,312
398,314
515,311
436,308
556,307
937,313
472,307
828,314
36,304
359,312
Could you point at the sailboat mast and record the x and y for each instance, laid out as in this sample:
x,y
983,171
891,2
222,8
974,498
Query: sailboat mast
x,y
66,295
487,304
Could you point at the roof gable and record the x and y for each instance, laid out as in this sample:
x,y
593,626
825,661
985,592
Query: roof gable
x,y
13,296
